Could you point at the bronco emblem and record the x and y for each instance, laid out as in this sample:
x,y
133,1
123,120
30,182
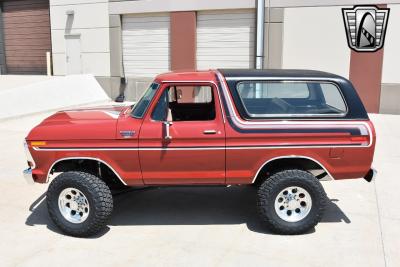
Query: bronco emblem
x,y
365,27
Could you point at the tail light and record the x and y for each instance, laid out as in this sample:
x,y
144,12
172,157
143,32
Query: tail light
x,y
364,139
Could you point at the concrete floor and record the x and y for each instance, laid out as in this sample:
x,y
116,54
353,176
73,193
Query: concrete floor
x,y
203,226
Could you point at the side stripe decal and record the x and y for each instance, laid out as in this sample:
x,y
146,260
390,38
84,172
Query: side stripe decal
x,y
187,148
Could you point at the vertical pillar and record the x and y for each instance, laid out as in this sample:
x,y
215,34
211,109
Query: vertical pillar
x,y
273,42
2,49
183,40
260,34
366,76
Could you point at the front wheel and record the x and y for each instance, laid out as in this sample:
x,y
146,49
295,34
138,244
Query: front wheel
x,y
291,202
79,203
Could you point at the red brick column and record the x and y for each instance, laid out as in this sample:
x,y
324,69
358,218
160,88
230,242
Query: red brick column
x,y
183,40
366,76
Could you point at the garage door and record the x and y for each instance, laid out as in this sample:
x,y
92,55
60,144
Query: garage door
x,y
145,43
225,39
26,35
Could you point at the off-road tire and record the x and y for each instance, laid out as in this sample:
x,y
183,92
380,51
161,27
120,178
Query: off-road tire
x,y
271,187
98,195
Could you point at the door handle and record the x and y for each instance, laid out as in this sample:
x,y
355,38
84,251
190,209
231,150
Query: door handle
x,y
210,132
167,134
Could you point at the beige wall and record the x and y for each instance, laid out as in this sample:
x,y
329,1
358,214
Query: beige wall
x,y
314,38
100,35
146,6
391,55
273,41
300,36
390,90
316,3
91,21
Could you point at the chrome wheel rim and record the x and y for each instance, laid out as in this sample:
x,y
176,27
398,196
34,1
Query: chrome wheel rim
x,y
293,204
73,205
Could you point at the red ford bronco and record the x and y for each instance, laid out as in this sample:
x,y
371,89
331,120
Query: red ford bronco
x,y
281,130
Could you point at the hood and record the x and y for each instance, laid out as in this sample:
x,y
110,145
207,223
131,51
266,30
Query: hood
x,y
79,124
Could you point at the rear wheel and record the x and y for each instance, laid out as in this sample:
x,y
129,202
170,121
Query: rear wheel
x,y
79,203
291,202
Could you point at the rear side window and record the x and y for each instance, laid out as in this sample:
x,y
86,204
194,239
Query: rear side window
x,y
333,98
267,99
272,90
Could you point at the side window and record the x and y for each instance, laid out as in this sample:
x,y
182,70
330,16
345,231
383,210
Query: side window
x,y
273,89
203,94
191,94
185,103
333,97
141,106
290,99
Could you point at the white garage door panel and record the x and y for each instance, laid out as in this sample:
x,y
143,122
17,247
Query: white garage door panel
x,y
143,73
237,58
156,65
151,50
225,39
145,43
223,14
142,58
227,44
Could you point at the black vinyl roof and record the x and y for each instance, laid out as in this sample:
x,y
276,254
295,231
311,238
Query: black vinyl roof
x,y
356,109
281,73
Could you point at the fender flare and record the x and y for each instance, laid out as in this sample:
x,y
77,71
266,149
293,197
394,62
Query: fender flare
x,y
291,157
88,158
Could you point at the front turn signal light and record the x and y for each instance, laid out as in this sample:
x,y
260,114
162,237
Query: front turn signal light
x,y
38,143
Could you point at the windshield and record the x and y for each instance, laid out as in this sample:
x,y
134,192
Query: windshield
x,y
141,106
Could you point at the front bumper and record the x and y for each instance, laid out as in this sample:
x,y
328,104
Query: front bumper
x,y
371,175
28,176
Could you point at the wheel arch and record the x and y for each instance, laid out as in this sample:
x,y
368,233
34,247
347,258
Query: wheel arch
x,y
65,160
303,162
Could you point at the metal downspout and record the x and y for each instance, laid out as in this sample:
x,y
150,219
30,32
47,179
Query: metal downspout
x,y
260,34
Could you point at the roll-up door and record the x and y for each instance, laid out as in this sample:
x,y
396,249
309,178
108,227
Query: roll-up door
x,y
26,28
145,44
226,39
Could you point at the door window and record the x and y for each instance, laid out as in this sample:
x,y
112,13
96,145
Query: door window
x,y
185,103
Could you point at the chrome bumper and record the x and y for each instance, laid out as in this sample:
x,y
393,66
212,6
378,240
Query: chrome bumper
x,y
28,176
371,175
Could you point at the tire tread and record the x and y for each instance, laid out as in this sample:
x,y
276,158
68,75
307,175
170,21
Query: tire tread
x,y
103,205
268,188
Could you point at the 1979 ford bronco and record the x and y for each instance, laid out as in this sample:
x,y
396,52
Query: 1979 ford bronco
x,y
281,130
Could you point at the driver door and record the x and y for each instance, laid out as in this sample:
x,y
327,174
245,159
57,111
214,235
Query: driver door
x,y
182,138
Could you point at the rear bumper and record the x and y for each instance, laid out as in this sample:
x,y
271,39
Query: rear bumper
x,y
28,176
371,175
